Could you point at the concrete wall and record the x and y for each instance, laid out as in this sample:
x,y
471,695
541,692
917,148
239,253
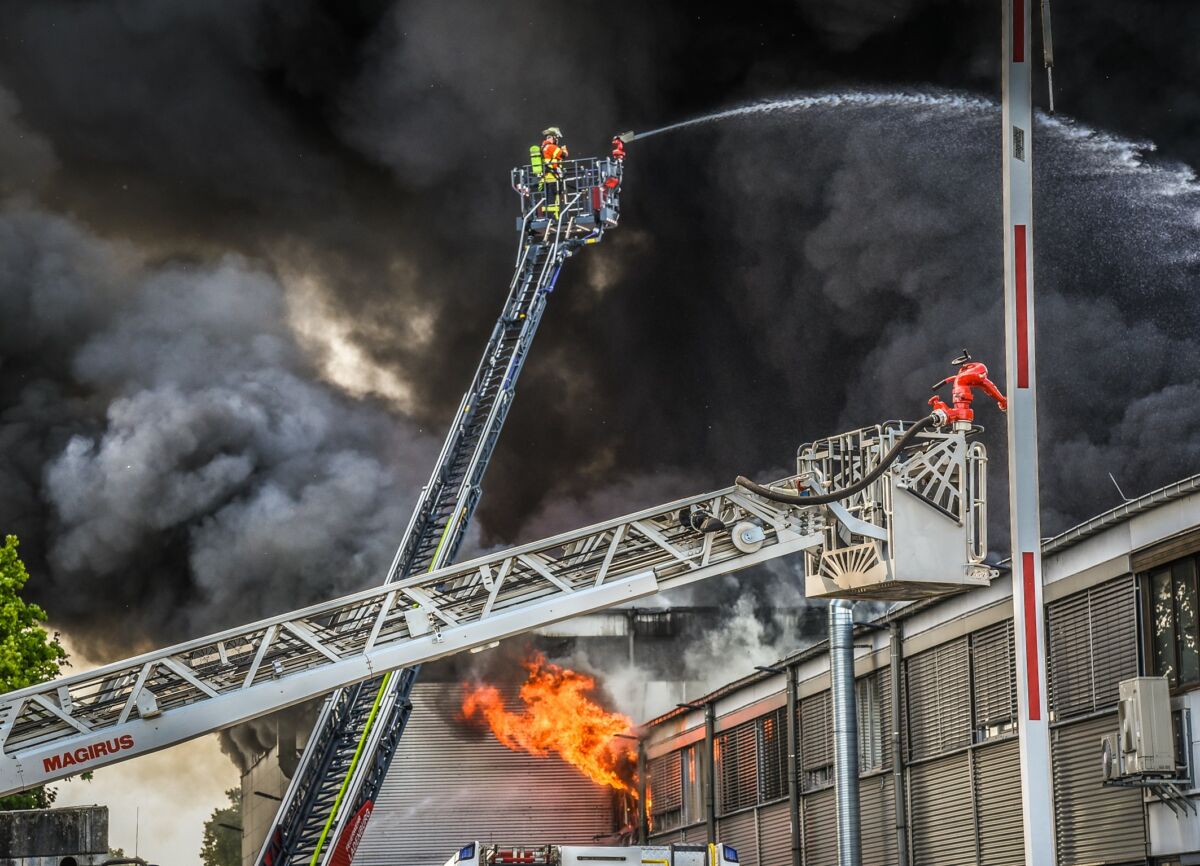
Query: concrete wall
x,y
46,837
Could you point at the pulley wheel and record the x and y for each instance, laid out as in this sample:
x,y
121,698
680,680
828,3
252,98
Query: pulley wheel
x,y
748,537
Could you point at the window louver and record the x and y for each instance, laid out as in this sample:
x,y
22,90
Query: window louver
x,y
737,768
939,700
995,675
666,790
773,755
1092,647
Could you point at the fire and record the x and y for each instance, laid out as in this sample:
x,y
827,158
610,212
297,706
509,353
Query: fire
x,y
560,717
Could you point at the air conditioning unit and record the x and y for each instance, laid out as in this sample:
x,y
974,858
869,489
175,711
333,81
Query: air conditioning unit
x,y
1146,742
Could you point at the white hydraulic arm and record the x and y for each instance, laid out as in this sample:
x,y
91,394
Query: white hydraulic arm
x,y
155,700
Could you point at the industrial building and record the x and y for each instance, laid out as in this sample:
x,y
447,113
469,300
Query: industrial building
x,y
469,786
940,783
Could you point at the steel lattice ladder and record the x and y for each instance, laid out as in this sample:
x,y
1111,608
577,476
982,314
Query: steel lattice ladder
x,y
333,789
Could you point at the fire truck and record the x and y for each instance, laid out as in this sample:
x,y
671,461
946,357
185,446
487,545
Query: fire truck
x,y
478,854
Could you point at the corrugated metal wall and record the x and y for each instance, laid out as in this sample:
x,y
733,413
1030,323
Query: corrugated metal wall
x,y
741,831
451,784
820,829
1094,824
878,810
940,814
775,836
998,795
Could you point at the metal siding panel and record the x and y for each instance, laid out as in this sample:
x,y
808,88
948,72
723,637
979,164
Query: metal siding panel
x,y
740,831
450,783
674,837
775,836
939,699
878,827
1094,824
998,789
820,829
942,821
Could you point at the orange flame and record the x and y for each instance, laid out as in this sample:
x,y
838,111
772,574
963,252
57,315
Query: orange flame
x,y
559,717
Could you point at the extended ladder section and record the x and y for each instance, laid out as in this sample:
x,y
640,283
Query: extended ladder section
x,y
165,697
351,747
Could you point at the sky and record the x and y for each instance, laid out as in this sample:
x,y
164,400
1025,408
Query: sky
x,y
250,251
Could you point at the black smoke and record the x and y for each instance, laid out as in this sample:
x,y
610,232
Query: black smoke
x,y
198,194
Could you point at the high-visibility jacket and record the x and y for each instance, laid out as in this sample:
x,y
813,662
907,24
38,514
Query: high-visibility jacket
x,y
553,155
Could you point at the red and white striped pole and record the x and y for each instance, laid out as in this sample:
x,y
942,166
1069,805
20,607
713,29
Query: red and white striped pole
x,y
1037,791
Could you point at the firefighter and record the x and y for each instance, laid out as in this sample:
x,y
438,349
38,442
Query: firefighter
x,y
553,154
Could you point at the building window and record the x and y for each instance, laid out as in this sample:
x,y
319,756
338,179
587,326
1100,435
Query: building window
x,y
1173,644
772,755
870,723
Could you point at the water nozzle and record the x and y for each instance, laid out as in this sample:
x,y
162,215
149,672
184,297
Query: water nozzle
x,y
627,137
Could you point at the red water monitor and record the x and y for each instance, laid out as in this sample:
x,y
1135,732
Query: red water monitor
x,y
971,374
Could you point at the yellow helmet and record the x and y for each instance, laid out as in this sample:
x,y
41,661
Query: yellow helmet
x,y
554,131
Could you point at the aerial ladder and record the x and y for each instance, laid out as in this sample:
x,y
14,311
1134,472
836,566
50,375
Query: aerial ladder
x,y
890,511
333,789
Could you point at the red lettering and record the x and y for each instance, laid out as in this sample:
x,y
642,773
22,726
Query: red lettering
x,y
87,753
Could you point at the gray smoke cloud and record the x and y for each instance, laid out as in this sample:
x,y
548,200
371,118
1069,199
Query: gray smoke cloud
x,y
192,469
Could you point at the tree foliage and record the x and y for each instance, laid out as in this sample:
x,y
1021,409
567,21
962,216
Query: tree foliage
x,y
222,838
28,653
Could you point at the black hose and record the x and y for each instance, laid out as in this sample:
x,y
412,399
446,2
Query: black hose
x,y
835,495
